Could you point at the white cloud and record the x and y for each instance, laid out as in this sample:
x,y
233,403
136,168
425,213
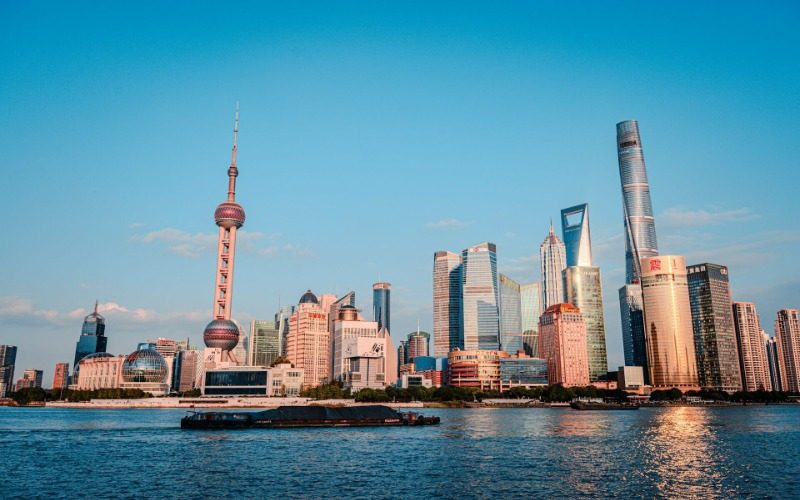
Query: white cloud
x,y
136,225
682,217
192,246
446,224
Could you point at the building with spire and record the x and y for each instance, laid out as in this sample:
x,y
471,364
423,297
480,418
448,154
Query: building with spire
x,y
92,339
447,327
222,334
553,261
639,234
418,344
381,295
583,286
480,300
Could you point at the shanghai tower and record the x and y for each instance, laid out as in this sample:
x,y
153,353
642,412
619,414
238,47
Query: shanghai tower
x,y
640,239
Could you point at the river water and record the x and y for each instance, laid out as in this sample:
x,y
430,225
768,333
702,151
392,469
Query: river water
x,y
532,453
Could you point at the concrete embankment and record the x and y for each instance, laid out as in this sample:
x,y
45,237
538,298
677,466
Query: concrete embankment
x,y
209,403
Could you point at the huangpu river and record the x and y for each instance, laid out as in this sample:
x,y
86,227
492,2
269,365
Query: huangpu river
x,y
531,453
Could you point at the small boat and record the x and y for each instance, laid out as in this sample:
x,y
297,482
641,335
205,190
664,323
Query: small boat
x,y
588,405
307,416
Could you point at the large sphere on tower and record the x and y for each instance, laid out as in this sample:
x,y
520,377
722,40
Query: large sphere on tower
x,y
221,334
229,214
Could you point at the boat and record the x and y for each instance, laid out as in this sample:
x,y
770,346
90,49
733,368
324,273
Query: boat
x,y
307,416
588,405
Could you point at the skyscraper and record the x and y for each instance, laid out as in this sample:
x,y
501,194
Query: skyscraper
x,y
447,329
640,227
381,294
787,336
92,337
713,328
265,343
668,323
553,261
577,238
61,376
418,344
583,287
753,363
510,315
8,359
222,333
480,297
562,342
640,239
309,342
773,360
530,299
282,324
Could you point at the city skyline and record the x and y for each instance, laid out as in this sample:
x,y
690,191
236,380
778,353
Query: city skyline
x,y
96,177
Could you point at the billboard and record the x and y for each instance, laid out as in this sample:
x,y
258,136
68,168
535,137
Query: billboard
x,y
360,347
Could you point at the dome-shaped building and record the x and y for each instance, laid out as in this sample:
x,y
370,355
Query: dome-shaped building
x,y
309,298
145,369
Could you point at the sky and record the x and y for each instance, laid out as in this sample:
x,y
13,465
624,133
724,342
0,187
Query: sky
x,y
373,134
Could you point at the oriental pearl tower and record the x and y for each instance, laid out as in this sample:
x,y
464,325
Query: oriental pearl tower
x,y
222,333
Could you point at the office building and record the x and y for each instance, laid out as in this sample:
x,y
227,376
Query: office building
x,y
562,342
774,362
632,315
577,237
477,369
753,364
447,329
31,378
381,295
92,339
309,341
221,333
418,344
522,371
630,378
360,352
236,381
530,300
480,300
712,325
185,370
61,376
282,324
510,315
284,380
553,261
8,359
671,357
265,342
402,355
787,336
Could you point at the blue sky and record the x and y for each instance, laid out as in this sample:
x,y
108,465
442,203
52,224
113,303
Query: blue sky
x,y
373,134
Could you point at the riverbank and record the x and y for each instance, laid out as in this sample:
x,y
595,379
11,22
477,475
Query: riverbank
x,y
209,403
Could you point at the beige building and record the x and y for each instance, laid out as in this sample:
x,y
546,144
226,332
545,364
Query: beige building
x,y
562,342
668,323
99,371
479,369
308,345
361,356
787,336
753,362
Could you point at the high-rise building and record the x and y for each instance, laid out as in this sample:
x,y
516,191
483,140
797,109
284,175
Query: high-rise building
x,y
787,336
61,376
553,260
92,338
530,299
478,369
222,333
31,378
265,343
360,352
753,363
282,324
381,295
447,328
402,355
577,238
309,342
773,360
480,299
632,315
583,287
8,359
185,371
671,355
510,315
562,342
713,328
418,344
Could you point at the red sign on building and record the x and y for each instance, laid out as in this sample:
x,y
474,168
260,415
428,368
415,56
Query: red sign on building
x,y
655,265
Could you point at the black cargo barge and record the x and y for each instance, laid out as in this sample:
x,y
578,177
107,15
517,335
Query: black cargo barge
x,y
306,416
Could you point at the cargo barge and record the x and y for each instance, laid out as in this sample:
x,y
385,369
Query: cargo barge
x,y
584,405
307,416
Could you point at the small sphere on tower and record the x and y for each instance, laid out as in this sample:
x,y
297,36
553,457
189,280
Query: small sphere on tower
x,y
229,214
221,334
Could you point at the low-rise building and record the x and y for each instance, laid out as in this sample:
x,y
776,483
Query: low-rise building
x,y
478,369
522,371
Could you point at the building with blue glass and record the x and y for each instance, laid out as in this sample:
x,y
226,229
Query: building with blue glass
x,y
480,297
381,295
510,315
92,338
522,372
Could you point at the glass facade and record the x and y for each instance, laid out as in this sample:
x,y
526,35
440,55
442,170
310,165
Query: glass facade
x,y
713,328
381,294
145,365
510,315
8,359
447,328
265,343
671,356
774,363
282,324
92,337
553,261
577,239
523,371
480,300
585,291
529,299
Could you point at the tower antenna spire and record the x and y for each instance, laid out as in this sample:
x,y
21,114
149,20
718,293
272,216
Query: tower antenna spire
x,y
233,171
96,303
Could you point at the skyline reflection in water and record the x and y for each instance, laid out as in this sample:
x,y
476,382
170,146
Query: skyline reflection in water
x,y
531,453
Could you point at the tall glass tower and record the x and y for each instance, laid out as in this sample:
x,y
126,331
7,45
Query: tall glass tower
x,y
92,337
510,315
380,304
530,301
577,240
553,261
447,331
480,297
